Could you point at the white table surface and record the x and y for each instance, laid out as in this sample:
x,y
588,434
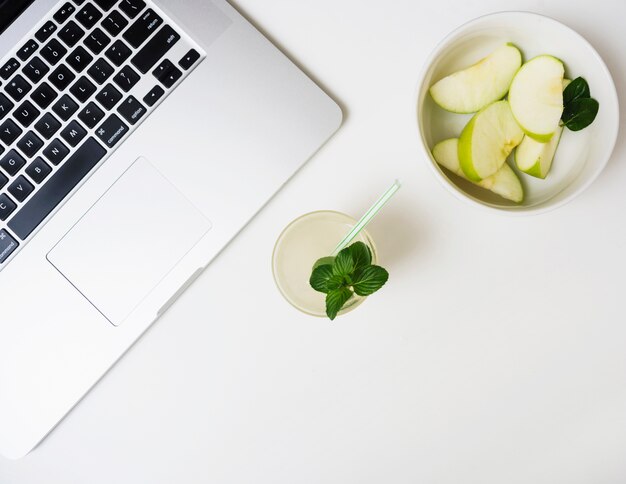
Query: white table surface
x,y
496,354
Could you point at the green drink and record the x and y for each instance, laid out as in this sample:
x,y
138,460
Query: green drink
x,y
304,241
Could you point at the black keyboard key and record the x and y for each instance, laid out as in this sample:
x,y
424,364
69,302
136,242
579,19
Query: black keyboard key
x,y
35,69
71,33
61,77
26,113
9,131
126,78
30,144
64,13
7,207
108,97
38,170
132,7
18,88
156,48
10,68
167,73
96,41
73,133
58,186
47,126
46,31
65,107
27,50
189,59
162,68
79,2
56,151
3,180
153,96
83,89
131,110
21,188
100,71
5,105
171,77
118,52
7,245
142,28
43,95
91,115
53,51
12,162
114,23
112,130
88,16
105,4
79,59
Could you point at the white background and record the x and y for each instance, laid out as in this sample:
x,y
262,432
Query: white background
x,y
496,354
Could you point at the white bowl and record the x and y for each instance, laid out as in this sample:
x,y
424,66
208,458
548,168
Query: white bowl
x,y
581,155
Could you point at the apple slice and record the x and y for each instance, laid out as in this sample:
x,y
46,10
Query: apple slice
x,y
535,158
471,89
536,96
487,140
504,182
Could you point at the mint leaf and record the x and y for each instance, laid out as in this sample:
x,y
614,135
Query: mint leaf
x,y
577,89
361,255
344,263
369,279
580,113
335,282
335,301
320,277
324,261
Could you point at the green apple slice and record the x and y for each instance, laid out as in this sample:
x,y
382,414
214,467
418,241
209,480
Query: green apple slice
x,y
471,89
487,140
536,96
535,158
504,182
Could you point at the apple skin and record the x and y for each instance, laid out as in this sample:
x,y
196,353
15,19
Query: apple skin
x,y
503,150
465,151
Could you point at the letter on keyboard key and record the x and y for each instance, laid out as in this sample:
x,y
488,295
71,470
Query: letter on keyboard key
x,y
132,110
156,48
112,130
58,186
142,28
7,206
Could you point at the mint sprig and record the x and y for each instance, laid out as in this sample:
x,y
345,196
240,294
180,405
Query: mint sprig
x,y
580,109
350,272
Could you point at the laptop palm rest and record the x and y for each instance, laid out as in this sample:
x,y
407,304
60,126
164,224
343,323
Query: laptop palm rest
x,y
131,238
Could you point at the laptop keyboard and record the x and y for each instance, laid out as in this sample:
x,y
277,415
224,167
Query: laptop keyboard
x,y
70,93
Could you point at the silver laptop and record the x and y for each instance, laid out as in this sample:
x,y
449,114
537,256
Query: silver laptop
x,y
137,137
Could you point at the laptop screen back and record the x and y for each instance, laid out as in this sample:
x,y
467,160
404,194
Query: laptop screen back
x,y
10,10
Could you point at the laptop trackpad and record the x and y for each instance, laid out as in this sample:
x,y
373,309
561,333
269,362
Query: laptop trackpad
x,y
128,241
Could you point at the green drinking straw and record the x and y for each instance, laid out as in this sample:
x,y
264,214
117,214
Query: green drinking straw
x,y
367,218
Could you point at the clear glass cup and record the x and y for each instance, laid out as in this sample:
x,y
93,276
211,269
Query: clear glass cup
x,y
304,241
